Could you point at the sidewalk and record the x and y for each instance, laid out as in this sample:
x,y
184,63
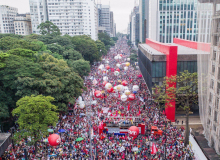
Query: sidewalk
x,y
194,122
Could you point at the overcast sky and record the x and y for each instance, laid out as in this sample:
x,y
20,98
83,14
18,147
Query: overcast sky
x,y
121,9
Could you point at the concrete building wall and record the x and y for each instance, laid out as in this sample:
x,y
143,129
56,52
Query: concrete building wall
x,y
7,15
22,24
211,116
39,14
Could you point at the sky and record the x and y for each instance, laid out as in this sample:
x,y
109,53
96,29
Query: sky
x,y
120,8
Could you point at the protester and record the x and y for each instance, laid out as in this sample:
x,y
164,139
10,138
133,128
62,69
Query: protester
x,y
111,110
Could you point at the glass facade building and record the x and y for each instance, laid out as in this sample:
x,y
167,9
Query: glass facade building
x,y
178,19
184,19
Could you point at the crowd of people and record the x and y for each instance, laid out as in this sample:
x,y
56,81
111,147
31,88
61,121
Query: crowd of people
x,y
111,110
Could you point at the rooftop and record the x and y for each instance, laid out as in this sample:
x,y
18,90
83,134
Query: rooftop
x,y
182,50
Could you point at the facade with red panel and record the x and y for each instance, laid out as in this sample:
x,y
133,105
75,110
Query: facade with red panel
x,y
157,60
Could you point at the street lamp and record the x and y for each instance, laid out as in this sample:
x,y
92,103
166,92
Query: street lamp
x,y
89,103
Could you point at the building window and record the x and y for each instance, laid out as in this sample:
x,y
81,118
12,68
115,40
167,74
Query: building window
x,y
215,116
214,56
210,110
218,88
208,122
214,127
217,102
213,69
218,73
210,97
212,84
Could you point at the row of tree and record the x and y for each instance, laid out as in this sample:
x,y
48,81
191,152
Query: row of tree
x,y
47,64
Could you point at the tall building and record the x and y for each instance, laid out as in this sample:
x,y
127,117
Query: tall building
x,y
22,24
7,15
114,35
134,27
104,17
166,20
111,24
143,8
39,13
209,81
137,23
77,17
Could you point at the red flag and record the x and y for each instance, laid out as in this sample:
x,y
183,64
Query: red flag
x,y
153,149
116,113
128,106
139,112
119,95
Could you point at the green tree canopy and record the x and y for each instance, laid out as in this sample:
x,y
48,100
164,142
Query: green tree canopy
x,y
48,27
35,114
101,47
87,47
80,66
3,56
72,54
58,80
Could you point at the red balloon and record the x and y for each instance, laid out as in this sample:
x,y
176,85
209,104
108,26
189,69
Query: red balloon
x,y
54,139
98,94
118,69
124,83
110,90
133,131
121,55
107,67
131,97
104,83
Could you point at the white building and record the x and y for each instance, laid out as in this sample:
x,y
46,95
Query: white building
x,y
22,24
78,17
209,79
104,17
7,15
39,14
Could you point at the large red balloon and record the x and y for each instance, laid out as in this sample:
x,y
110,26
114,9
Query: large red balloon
x,y
107,67
131,97
133,131
118,69
110,90
104,83
98,94
54,139
124,83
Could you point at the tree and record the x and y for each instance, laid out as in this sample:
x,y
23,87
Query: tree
x,y
133,58
3,56
87,47
72,54
58,80
106,39
186,94
48,27
101,47
80,66
164,94
35,114
56,48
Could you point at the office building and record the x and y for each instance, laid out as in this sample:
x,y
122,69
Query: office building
x,y
157,60
166,20
38,12
72,17
7,15
104,17
134,27
209,80
111,24
143,11
22,24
